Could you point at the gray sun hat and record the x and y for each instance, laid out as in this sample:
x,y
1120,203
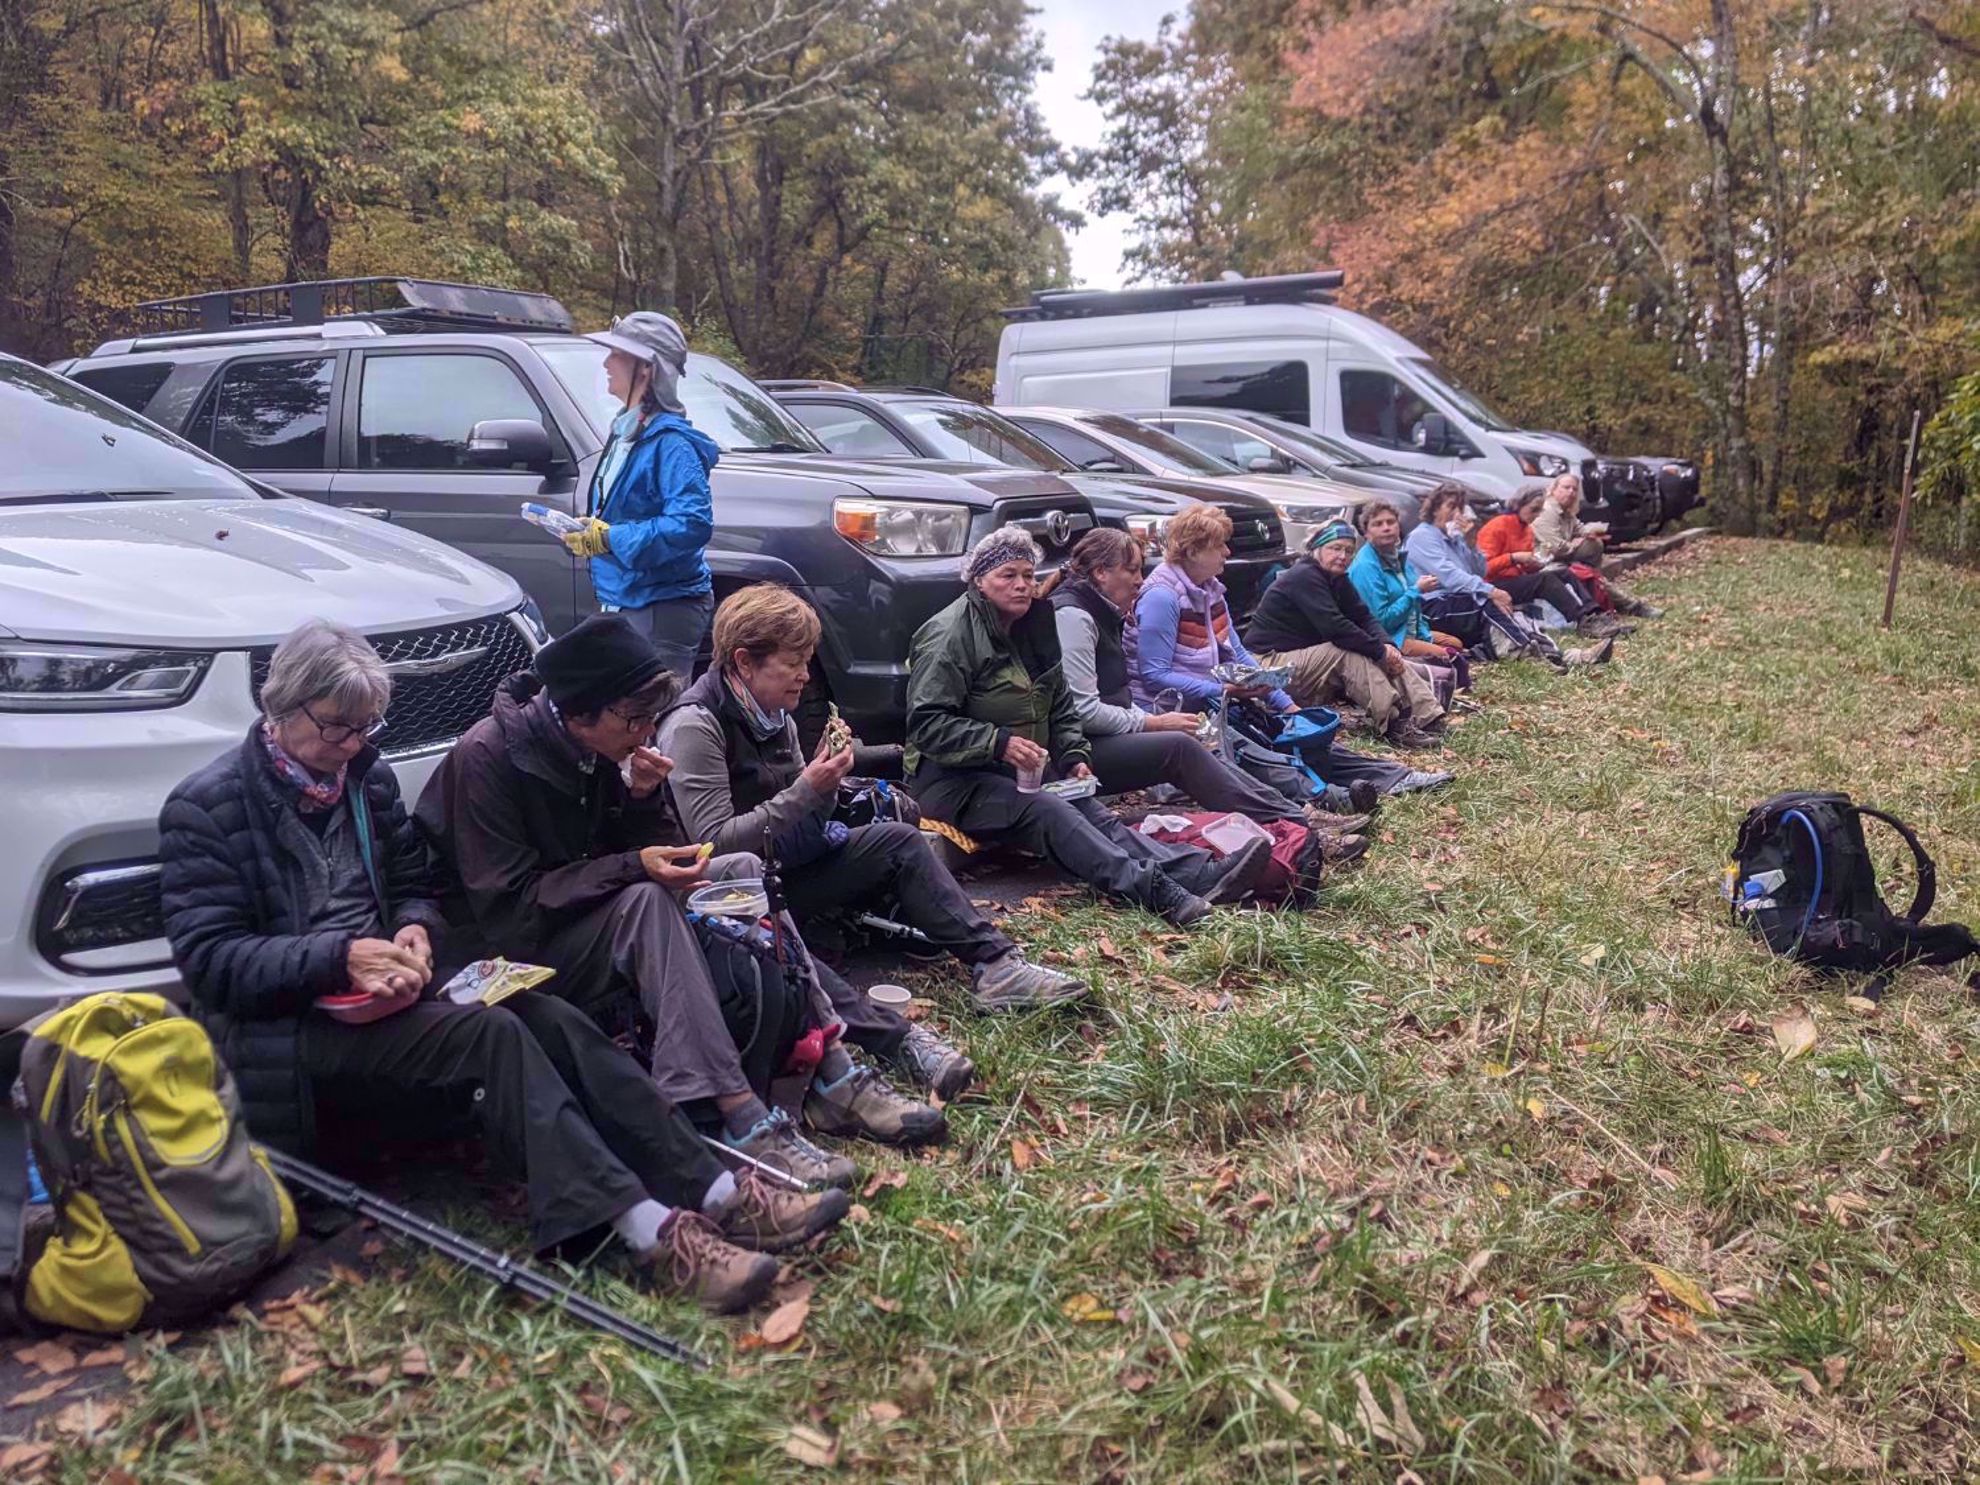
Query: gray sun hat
x,y
655,339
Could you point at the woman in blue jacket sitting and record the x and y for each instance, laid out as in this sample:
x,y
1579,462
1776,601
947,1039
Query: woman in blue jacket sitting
x,y
1393,589
649,514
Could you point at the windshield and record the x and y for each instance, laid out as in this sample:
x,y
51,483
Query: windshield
x,y
975,435
67,443
1323,448
723,403
1169,452
1468,403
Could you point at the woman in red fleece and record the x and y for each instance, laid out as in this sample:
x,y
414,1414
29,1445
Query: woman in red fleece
x,y
1510,561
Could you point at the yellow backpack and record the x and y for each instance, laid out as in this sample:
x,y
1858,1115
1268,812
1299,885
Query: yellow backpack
x,y
164,1208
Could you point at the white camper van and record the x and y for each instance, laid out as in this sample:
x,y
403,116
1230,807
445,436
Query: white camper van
x,y
1280,346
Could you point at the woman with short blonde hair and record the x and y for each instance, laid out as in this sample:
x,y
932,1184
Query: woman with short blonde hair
x,y
1184,625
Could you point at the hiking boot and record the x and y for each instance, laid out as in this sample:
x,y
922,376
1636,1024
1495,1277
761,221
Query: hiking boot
x,y
768,1218
692,1258
1358,798
1604,626
934,1064
1339,850
862,1105
1177,906
1416,780
1014,983
1592,655
774,1141
1365,798
1237,873
1410,738
1322,823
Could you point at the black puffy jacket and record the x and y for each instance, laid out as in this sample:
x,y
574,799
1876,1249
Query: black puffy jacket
x,y
236,911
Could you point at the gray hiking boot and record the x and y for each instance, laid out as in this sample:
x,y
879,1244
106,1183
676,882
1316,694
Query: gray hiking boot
x,y
934,1064
1237,873
766,1218
1014,983
775,1142
862,1105
1339,850
1177,907
1590,655
1411,738
1416,779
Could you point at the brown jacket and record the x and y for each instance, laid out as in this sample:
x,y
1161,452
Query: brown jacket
x,y
533,838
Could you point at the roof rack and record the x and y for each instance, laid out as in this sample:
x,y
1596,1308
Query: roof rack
x,y
916,390
804,384
403,303
1283,288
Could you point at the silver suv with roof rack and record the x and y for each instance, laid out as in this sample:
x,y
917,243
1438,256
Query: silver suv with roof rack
x,y
441,408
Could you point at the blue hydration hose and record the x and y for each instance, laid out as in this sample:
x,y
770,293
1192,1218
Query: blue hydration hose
x,y
1814,840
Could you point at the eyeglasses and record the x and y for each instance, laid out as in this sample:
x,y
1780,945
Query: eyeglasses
x,y
638,721
342,732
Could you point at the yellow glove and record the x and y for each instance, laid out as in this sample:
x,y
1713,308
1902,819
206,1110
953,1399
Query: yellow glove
x,y
589,541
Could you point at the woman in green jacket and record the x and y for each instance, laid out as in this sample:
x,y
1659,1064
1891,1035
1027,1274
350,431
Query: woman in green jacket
x,y
990,717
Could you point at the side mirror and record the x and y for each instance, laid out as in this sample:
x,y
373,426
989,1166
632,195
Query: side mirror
x,y
1269,464
506,443
1432,434
1104,466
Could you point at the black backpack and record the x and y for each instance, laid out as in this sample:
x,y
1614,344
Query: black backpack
x,y
1802,878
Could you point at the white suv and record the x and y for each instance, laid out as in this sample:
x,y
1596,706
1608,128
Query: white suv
x,y
143,587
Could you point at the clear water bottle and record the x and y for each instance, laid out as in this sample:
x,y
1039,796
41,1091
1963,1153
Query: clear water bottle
x,y
556,522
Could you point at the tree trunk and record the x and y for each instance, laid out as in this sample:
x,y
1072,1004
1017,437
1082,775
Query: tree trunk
x,y
233,183
308,252
1716,118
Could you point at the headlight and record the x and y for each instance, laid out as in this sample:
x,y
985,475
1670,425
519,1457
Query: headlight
x,y
529,619
903,528
1152,531
1537,464
92,678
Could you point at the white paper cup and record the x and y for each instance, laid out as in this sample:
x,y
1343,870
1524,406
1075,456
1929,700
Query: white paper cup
x,y
893,996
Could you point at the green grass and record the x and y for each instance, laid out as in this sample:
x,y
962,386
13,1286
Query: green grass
x,y
1415,1146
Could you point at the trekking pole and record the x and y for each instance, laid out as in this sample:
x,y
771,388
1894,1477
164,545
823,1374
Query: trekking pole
x,y
782,1177
507,1272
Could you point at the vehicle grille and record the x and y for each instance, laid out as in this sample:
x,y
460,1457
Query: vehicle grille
x,y
1254,530
432,710
1047,519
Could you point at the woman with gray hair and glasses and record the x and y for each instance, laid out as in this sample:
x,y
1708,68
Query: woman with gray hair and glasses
x,y
301,906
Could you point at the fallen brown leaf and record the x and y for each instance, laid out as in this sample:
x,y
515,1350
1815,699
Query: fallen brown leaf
x,y
884,1412
88,1420
298,1374
1687,1292
413,1362
50,1357
808,1445
883,1180
1794,1032
18,1461
785,1322
42,1393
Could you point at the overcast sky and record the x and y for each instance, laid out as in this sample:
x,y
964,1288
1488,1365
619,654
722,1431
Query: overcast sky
x,y
1073,30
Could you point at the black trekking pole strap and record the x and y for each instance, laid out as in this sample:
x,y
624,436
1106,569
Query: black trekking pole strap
x,y
1928,871
510,1273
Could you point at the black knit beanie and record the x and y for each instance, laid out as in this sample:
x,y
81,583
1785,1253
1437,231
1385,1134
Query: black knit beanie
x,y
602,660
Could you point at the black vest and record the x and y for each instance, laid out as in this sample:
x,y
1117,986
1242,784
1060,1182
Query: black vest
x,y
757,770
1109,657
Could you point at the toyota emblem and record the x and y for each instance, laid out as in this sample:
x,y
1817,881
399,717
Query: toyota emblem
x,y
1058,526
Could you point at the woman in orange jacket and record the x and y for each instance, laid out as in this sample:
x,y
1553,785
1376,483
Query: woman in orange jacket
x,y
1510,562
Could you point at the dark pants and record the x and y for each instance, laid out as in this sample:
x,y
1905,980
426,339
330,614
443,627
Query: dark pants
x,y
1079,836
1556,588
676,627
1460,615
1140,760
890,860
1345,766
558,1103
641,945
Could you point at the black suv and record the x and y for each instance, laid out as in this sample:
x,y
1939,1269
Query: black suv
x,y
923,424
443,407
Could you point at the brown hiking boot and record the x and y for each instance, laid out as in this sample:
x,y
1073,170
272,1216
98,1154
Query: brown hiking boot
x,y
691,1258
768,1218
863,1105
1339,850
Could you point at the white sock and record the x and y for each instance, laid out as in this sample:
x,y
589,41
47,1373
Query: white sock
x,y
639,1224
721,1195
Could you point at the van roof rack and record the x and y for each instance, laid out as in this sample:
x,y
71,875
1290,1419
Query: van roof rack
x,y
1283,288
390,302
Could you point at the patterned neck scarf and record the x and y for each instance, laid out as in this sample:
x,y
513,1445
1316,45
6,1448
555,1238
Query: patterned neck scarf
x,y
762,725
315,795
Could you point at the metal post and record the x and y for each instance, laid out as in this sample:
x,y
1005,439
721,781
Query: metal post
x,y
1903,520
